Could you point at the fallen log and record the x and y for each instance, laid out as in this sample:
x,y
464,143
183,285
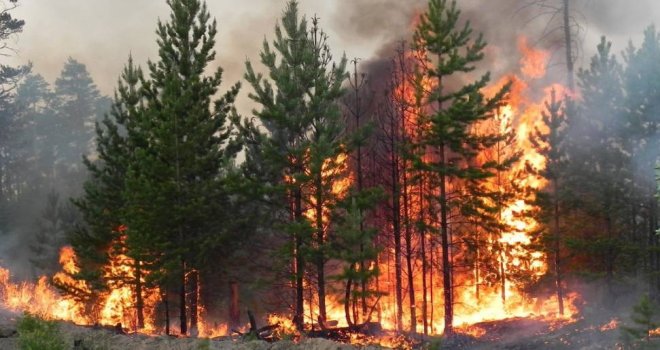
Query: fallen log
x,y
344,333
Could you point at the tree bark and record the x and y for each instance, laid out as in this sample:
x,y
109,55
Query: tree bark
x,y
166,301
569,48
234,306
422,238
558,281
396,216
299,316
139,299
446,264
347,300
409,252
194,302
320,256
183,320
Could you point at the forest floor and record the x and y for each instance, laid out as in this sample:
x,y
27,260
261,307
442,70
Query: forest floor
x,y
511,334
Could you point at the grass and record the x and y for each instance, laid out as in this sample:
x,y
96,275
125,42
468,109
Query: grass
x,y
35,333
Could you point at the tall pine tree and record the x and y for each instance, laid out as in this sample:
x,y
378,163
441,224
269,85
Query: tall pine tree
x,y
451,52
175,186
301,139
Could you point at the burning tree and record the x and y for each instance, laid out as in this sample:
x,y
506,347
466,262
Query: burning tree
x,y
448,51
157,191
175,186
302,145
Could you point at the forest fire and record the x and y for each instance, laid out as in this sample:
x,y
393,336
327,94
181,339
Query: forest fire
x,y
486,291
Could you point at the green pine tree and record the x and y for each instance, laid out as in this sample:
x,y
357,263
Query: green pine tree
x,y
302,137
451,51
175,186
644,317
78,104
102,203
640,80
596,172
551,146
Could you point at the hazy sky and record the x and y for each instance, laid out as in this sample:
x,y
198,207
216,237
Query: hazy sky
x,y
102,33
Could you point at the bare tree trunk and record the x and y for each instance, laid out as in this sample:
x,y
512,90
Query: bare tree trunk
x,y
476,265
422,237
357,84
569,46
194,296
558,282
139,299
183,319
409,252
446,264
347,300
299,316
396,215
320,241
166,301
234,308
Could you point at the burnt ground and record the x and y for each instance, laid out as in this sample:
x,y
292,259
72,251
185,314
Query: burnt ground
x,y
524,333
511,334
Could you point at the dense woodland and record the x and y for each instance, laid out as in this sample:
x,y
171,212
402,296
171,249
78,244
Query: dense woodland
x,y
337,180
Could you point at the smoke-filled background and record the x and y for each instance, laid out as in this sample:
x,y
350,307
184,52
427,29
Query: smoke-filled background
x,y
101,34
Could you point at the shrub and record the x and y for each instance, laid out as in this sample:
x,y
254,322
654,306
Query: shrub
x,y
35,333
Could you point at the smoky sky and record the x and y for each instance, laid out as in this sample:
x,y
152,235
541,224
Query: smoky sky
x,y
102,33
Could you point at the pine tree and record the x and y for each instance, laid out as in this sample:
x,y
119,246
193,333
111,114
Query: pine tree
x,y
599,170
644,316
354,246
102,204
450,51
175,186
79,105
9,78
551,146
57,219
642,93
302,135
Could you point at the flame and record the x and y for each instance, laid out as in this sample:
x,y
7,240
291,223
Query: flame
x,y
479,299
613,324
534,61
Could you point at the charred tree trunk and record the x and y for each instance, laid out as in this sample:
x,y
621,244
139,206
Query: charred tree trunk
x,y
183,319
234,309
409,252
396,217
477,254
569,46
654,258
166,301
357,85
502,274
320,241
139,299
422,240
446,264
557,238
299,315
347,300
194,301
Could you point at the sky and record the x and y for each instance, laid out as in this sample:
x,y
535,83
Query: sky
x,y
102,33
